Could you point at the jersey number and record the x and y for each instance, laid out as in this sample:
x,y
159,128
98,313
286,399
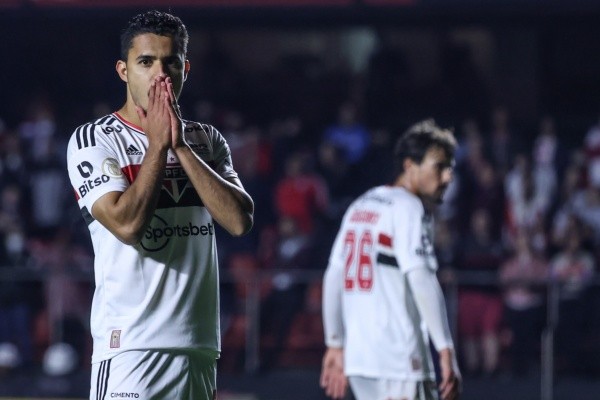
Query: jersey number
x,y
359,267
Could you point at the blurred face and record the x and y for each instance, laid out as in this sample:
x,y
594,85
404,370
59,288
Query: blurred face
x,y
151,56
432,177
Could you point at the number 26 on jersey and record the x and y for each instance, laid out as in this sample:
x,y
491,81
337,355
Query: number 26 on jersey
x,y
358,261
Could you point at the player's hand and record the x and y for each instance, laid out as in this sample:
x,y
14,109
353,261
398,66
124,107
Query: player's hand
x,y
175,114
451,381
333,380
156,119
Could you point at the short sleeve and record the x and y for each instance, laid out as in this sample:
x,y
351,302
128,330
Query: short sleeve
x,y
93,167
413,237
220,154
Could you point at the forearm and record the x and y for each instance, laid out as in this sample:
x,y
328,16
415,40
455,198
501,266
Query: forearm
x,y
431,305
128,214
227,203
332,308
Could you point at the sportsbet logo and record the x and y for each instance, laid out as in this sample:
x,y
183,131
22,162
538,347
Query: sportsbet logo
x,y
159,233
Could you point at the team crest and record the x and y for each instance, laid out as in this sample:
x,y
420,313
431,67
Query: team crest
x,y
176,182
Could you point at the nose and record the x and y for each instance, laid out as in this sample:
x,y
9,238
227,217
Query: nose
x,y
448,175
161,69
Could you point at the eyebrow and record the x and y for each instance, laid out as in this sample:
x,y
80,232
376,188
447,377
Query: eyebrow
x,y
153,57
144,56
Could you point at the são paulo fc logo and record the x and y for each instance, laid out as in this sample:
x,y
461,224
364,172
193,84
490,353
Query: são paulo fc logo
x,y
160,233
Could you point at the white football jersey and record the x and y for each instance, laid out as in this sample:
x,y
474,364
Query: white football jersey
x,y
368,305
162,293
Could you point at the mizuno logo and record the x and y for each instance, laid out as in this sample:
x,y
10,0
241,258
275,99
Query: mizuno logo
x,y
133,151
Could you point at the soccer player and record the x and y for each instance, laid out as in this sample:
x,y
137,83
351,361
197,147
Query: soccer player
x,y
382,300
151,186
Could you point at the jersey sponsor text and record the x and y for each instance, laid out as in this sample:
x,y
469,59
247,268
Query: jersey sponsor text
x,y
90,184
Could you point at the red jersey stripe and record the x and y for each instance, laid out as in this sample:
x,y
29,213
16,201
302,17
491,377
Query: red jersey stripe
x,y
385,240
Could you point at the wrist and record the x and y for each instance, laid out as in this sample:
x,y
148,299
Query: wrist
x,y
446,354
158,148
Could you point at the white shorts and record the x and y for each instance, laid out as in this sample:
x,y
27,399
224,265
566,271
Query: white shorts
x,y
389,389
155,375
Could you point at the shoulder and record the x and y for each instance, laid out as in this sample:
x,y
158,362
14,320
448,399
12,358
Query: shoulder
x,y
393,196
204,138
91,133
193,127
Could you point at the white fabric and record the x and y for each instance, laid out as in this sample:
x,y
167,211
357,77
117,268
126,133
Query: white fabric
x,y
163,292
388,389
429,299
155,375
380,327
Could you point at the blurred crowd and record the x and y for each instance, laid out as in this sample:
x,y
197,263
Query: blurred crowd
x,y
522,216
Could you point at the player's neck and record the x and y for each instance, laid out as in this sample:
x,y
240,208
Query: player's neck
x,y
128,113
403,181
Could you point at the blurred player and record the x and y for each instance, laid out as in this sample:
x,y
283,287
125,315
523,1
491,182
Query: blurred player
x,y
382,300
149,185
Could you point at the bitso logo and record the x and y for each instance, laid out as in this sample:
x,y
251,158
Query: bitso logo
x,y
90,184
159,233
85,169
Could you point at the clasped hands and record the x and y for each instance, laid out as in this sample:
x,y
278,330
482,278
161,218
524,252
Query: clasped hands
x,y
161,121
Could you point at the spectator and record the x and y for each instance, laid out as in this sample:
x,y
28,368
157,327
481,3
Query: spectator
x,y
564,212
503,142
348,133
528,201
301,194
16,296
591,147
293,251
586,205
522,277
573,268
479,304
487,192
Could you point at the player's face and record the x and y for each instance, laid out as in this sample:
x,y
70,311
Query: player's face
x,y
434,174
151,56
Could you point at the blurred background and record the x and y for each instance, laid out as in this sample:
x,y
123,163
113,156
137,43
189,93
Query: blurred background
x,y
310,95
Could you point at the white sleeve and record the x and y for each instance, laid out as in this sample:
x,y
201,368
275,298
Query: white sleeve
x,y
93,166
220,153
412,243
333,281
431,305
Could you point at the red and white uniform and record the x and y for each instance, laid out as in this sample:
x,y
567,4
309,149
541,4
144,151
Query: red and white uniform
x,y
369,308
162,293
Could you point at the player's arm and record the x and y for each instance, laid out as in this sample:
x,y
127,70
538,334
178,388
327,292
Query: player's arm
x,y
225,199
127,214
430,302
333,379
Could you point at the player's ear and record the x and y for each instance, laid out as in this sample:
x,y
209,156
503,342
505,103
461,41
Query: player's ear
x,y
186,69
121,68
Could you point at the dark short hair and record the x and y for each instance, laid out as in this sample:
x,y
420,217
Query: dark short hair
x,y
157,22
418,139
